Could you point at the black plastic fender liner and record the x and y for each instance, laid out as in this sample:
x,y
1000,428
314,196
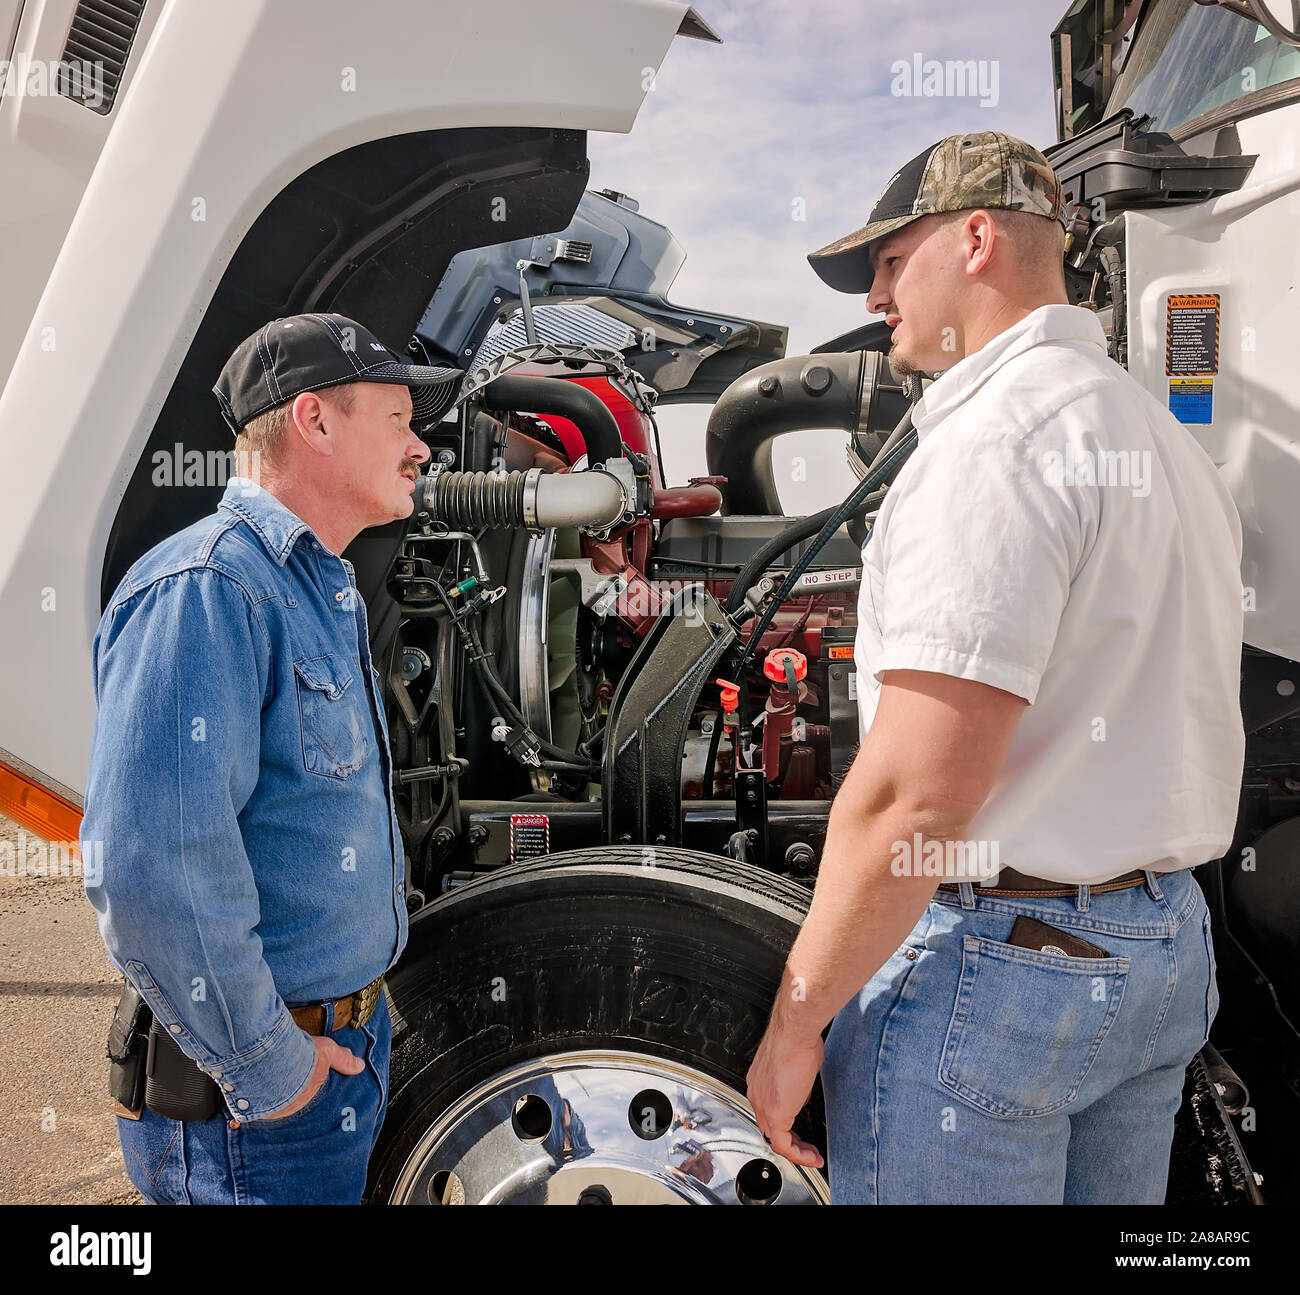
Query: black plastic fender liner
x,y
640,949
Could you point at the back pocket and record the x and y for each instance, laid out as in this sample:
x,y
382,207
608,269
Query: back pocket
x,y
1027,1026
335,717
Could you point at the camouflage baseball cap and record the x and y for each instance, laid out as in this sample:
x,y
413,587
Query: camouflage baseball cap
x,y
980,169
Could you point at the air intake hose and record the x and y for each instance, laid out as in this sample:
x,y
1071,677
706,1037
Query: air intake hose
x,y
533,499
853,391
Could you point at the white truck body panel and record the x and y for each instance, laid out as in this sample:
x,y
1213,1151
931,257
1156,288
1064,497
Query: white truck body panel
x,y
229,103
1243,247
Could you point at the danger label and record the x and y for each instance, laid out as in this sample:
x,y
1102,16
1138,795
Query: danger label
x,y
1192,335
530,835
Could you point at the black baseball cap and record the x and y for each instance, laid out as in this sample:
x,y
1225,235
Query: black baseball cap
x,y
308,352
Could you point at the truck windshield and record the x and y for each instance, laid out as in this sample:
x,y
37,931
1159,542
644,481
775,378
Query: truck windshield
x,y
1188,58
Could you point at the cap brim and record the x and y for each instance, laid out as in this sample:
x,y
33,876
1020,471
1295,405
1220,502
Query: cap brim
x,y
433,386
845,264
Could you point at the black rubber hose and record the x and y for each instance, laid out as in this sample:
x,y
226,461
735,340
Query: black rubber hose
x,y
901,443
497,691
711,764
778,544
512,712
796,392
583,408
793,534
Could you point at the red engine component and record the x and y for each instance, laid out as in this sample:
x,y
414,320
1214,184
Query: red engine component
x,y
795,740
633,425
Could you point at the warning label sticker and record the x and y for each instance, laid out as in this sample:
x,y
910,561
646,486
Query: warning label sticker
x,y
1192,335
530,835
1191,400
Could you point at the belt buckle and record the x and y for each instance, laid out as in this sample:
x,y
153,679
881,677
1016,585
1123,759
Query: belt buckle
x,y
364,1001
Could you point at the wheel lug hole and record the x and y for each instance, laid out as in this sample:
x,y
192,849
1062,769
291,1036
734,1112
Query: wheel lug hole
x,y
650,1114
531,1118
445,1188
758,1182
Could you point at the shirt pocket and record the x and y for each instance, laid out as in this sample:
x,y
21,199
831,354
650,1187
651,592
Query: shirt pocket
x,y
335,718
1027,1026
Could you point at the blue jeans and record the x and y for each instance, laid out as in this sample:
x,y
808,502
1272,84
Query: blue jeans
x,y
318,1155
971,1071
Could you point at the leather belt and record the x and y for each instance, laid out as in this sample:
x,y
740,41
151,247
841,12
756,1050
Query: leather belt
x,y
1022,886
351,1012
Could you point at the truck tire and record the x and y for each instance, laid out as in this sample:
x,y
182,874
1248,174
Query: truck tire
x,y
577,1028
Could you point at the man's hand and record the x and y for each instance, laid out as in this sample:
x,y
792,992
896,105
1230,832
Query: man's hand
x,y
780,1080
329,1056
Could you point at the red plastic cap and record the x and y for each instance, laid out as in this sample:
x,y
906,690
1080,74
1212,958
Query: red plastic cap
x,y
774,665
730,695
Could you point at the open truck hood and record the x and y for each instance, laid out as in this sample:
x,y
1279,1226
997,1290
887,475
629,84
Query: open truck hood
x,y
206,214
603,279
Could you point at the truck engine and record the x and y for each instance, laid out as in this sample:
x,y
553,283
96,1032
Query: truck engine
x,y
544,549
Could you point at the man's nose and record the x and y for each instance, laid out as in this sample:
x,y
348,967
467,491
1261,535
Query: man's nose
x,y
877,300
420,452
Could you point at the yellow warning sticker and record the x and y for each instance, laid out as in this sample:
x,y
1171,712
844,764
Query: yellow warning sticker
x,y
1192,335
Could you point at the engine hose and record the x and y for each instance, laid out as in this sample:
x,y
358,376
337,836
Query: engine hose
x,y
857,524
711,761
787,539
901,443
773,549
588,413
472,501
497,690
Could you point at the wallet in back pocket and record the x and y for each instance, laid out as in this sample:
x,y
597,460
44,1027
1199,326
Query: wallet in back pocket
x,y
1030,933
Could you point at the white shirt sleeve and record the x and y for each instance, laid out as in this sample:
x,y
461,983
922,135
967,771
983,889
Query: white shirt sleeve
x,y
977,559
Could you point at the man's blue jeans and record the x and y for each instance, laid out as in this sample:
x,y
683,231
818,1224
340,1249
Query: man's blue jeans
x,y
971,1071
318,1155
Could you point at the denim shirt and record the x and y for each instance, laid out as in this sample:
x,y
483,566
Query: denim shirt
x,y
240,787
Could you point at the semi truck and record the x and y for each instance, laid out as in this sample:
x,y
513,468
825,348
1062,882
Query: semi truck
x,y
619,705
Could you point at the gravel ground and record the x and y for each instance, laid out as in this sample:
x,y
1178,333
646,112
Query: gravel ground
x,y
57,994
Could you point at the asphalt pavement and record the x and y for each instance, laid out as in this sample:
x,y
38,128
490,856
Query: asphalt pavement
x,y
57,993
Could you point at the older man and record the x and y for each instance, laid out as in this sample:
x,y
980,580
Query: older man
x,y
253,880
1049,639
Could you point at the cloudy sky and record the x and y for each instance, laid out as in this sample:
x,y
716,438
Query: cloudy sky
x,y
797,103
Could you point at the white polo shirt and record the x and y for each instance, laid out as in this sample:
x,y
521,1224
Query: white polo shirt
x,y
1057,533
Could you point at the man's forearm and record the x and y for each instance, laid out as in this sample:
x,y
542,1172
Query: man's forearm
x,y
861,912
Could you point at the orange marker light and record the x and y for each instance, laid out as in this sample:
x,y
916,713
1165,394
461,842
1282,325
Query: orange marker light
x,y
37,808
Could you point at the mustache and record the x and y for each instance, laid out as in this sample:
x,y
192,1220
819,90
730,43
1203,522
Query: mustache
x,y
409,465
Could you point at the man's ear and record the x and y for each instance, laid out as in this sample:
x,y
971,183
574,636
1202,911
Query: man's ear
x,y
307,416
977,235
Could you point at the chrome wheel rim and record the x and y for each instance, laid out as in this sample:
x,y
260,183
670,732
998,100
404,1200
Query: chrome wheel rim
x,y
601,1128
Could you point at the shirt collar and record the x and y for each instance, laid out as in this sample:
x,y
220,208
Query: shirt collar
x,y
1054,323
271,521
